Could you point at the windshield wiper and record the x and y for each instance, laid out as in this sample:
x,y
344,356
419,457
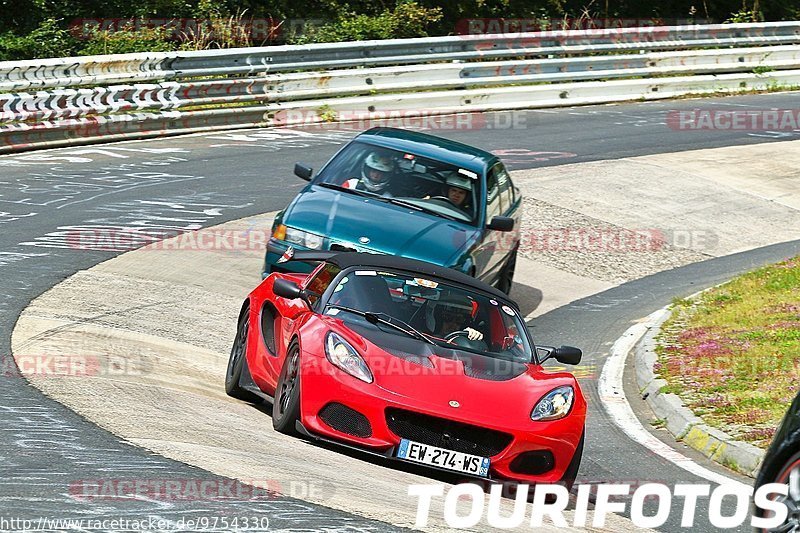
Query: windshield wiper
x,y
403,203
358,192
383,318
425,209
351,191
399,325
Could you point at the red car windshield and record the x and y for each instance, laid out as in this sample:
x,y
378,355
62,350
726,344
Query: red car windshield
x,y
429,185
447,314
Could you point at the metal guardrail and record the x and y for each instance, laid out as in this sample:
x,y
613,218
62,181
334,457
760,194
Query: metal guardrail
x,y
62,101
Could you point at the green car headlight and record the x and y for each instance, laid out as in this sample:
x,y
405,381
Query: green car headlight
x,y
303,238
344,356
554,405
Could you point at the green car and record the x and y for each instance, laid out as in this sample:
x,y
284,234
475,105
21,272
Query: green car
x,y
404,193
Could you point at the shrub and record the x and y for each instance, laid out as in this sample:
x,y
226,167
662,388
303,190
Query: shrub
x,y
47,40
128,41
406,20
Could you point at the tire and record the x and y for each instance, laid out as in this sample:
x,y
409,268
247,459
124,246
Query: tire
x,y
286,406
572,470
789,474
237,360
506,279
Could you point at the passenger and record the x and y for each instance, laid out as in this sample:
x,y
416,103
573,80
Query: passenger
x,y
376,175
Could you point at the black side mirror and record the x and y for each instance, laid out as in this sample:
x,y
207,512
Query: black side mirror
x,y
501,224
567,355
302,171
287,289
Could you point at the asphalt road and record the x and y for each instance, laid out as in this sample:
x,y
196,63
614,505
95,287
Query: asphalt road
x,y
184,183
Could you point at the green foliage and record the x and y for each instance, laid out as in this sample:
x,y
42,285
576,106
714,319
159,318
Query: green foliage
x,y
32,29
745,15
406,20
127,41
47,40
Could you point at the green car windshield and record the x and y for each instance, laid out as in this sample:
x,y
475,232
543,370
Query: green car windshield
x,y
430,311
421,183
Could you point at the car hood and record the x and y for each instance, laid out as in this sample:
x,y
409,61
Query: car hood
x,y
346,219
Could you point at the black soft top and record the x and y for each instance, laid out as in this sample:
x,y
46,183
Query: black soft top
x,y
350,259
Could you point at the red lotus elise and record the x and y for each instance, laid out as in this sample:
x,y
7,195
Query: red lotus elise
x,y
411,361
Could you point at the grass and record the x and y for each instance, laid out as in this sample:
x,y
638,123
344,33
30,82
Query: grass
x,y
733,353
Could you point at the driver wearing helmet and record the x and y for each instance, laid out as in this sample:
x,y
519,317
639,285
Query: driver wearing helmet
x,y
457,189
450,315
376,173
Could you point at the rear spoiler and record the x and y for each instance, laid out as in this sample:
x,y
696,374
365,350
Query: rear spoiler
x,y
307,256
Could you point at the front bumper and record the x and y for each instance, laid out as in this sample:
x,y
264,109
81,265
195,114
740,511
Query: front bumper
x,y
324,384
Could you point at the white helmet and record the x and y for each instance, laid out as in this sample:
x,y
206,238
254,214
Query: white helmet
x,y
376,172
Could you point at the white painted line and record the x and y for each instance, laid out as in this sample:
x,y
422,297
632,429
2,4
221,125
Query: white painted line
x,y
612,394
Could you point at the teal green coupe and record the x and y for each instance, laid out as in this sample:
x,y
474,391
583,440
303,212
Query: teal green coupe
x,y
409,194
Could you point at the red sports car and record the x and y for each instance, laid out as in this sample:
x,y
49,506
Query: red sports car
x,y
411,361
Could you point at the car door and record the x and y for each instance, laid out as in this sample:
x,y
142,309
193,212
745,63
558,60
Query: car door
x,y
511,202
486,255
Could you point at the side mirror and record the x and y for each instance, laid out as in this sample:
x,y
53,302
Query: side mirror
x,y
501,224
302,171
567,355
287,289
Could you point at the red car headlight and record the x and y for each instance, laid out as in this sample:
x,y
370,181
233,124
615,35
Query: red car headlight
x,y
554,405
343,355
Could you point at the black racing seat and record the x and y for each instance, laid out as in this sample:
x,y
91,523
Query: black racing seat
x,y
367,293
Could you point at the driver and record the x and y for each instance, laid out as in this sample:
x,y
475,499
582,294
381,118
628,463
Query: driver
x,y
451,314
457,189
376,173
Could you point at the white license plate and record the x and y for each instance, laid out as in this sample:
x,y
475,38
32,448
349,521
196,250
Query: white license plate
x,y
449,459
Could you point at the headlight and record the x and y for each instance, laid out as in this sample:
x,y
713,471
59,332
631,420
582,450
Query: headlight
x,y
555,404
344,356
303,238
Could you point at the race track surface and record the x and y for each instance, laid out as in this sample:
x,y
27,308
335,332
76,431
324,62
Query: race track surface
x,y
190,182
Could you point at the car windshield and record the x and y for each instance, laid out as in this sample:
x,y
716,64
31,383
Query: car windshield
x,y
418,182
428,311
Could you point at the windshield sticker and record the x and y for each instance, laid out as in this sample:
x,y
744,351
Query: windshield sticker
x,y
366,273
333,312
493,302
507,310
428,284
408,156
468,173
341,285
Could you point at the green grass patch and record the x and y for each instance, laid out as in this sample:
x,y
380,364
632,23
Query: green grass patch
x,y
733,353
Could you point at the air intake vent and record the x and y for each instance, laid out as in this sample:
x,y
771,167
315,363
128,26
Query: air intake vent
x,y
342,418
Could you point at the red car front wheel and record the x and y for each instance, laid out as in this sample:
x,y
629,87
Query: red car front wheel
x,y
286,406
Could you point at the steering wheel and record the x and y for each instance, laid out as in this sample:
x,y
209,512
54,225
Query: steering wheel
x,y
445,198
456,334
